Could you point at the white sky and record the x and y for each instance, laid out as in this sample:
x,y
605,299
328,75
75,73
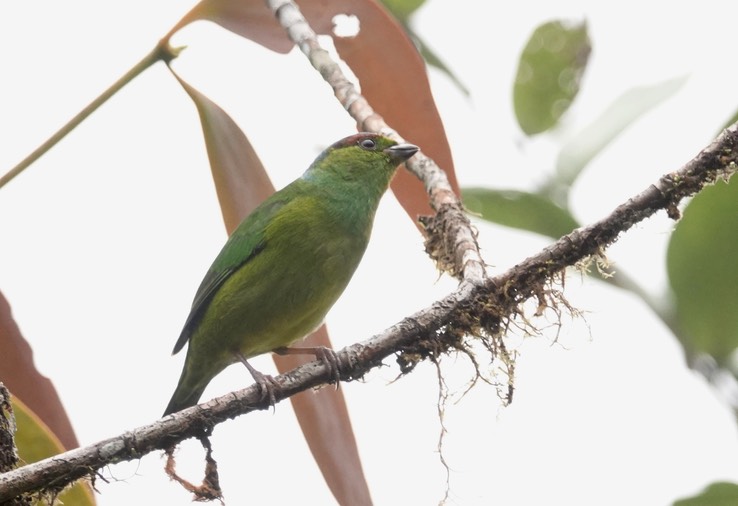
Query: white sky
x,y
106,239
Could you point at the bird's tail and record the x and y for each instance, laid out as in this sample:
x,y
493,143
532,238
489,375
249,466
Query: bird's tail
x,y
187,394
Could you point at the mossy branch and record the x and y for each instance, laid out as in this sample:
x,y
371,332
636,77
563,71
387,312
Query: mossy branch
x,y
478,309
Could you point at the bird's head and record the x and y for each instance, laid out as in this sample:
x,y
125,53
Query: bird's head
x,y
362,155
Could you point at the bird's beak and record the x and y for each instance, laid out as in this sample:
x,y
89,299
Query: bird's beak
x,y
401,152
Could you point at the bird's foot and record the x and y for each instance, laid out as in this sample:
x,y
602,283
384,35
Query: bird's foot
x,y
326,355
265,382
267,386
330,359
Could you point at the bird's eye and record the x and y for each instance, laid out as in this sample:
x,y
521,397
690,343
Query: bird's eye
x,y
367,143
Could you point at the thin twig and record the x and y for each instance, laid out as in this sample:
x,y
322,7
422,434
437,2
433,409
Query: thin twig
x,y
162,51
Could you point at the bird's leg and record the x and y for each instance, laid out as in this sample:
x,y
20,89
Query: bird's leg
x,y
265,382
325,355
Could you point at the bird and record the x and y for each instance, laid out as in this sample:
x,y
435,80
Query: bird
x,y
286,264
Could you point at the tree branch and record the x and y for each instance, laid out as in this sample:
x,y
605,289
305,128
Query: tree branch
x,y
473,308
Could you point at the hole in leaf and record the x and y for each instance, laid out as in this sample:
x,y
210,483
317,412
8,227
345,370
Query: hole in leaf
x,y
345,25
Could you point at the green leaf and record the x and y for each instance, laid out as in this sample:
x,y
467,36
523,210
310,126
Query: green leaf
x,y
549,72
517,209
402,9
432,59
717,494
627,108
35,441
703,271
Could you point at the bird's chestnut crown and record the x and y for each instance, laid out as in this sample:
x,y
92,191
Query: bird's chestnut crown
x,y
360,149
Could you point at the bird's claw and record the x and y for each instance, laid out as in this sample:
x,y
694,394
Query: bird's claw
x,y
330,359
267,386
265,382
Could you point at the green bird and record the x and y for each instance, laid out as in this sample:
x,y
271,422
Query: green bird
x,y
287,263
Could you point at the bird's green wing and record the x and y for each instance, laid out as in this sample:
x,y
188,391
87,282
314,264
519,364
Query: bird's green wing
x,y
246,242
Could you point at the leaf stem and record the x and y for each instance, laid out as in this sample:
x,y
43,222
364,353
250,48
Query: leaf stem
x,y
163,51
